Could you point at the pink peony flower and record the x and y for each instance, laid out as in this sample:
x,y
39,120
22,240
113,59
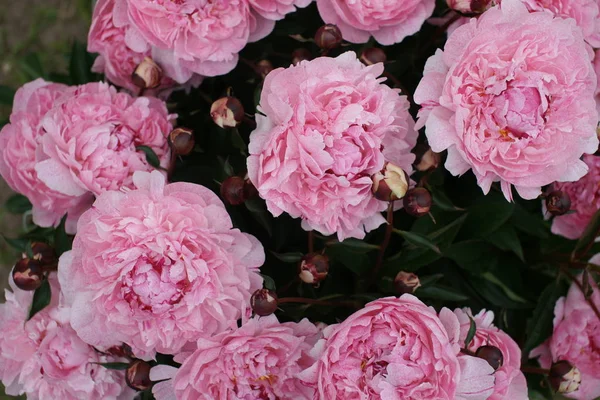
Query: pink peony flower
x,y
576,338
43,357
510,382
388,21
509,106
329,125
158,267
597,70
396,348
585,201
260,360
277,9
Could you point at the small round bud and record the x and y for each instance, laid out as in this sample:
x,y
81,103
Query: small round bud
x,y
390,184
227,112
426,159
233,190
44,254
263,67
137,375
313,268
469,7
182,141
328,37
147,75
558,202
406,282
263,302
492,355
28,274
124,350
564,377
417,202
299,55
373,55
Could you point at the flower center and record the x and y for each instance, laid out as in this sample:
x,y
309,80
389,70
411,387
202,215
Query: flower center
x,y
519,112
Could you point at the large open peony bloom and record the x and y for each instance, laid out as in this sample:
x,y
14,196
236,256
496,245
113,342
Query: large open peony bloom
x,y
158,267
329,124
388,21
260,360
397,348
45,359
508,104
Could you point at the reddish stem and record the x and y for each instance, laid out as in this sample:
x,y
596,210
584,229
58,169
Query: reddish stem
x,y
580,286
386,241
311,242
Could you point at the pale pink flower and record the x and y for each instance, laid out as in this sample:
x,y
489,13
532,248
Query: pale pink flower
x,y
45,359
388,21
510,382
260,360
277,9
507,104
158,267
329,124
396,348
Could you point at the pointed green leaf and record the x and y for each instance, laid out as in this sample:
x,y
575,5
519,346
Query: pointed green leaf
x,y
41,298
7,95
355,244
62,241
151,157
471,333
440,293
268,282
18,244
540,323
418,240
506,238
288,257
119,366
18,204
587,238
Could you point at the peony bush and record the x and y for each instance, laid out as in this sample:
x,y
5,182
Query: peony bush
x,y
296,200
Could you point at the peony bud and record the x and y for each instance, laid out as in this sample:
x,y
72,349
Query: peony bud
x,y
313,268
263,302
28,274
492,355
373,55
263,67
182,141
299,55
469,6
137,375
328,37
147,74
406,282
427,160
564,377
44,254
227,112
417,202
233,190
558,202
390,184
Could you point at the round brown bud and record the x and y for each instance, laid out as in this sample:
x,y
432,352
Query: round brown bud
x,y
227,112
299,55
390,184
469,7
426,159
564,377
263,302
492,355
28,274
406,282
182,141
313,268
147,75
328,37
124,350
44,254
137,375
558,202
263,67
233,190
373,55
417,202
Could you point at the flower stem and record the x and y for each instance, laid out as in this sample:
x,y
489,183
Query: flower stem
x,y
534,370
311,242
386,241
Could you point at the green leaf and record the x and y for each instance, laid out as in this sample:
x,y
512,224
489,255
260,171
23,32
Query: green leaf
x,y
440,293
418,240
268,282
509,293
540,323
288,257
506,238
31,67
356,261
7,94
260,213
18,244
430,279
41,298
62,241
119,366
473,255
471,333
487,215
526,222
79,66
443,202
355,244
587,238
17,204
237,141
151,157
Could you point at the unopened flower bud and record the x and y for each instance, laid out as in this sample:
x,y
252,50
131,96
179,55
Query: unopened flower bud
x,y
558,202
427,160
182,141
390,184
373,55
299,55
44,254
328,37
147,75
263,302
469,7
227,112
406,282
123,350
313,268
564,377
28,274
263,67
233,190
137,375
492,355
417,201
